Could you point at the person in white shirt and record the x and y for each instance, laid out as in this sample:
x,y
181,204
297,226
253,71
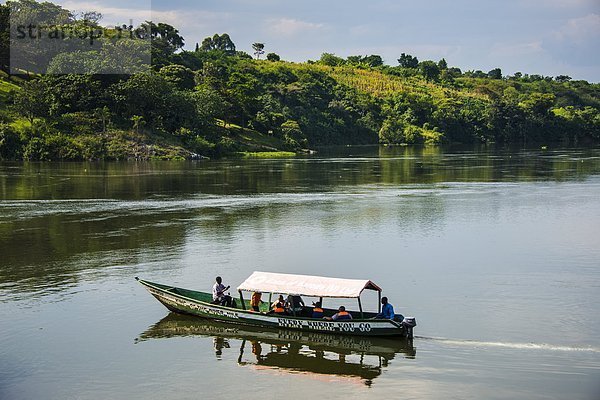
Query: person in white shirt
x,y
218,292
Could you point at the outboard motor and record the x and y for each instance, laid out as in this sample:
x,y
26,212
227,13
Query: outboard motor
x,y
409,323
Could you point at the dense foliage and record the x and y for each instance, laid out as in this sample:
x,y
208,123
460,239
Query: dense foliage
x,y
216,100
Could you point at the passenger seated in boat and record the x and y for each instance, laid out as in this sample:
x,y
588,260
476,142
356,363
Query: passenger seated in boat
x,y
342,314
218,293
278,306
317,311
387,310
255,301
294,304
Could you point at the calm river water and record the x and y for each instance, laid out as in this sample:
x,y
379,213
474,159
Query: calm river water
x,y
495,252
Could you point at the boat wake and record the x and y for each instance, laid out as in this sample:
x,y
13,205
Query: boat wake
x,y
511,345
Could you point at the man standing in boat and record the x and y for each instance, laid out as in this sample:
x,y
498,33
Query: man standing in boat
x,y
218,293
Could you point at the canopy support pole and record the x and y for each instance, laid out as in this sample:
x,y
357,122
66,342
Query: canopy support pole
x,y
360,308
242,300
379,303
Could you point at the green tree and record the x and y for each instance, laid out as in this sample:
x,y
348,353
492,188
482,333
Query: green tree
x,y
209,105
392,131
180,76
33,100
165,41
373,60
331,59
104,114
273,57
354,60
495,73
219,42
408,61
151,96
138,122
538,103
34,57
562,78
429,70
292,135
10,143
259,49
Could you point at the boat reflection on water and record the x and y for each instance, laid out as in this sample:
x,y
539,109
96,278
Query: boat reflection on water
x,y
310,353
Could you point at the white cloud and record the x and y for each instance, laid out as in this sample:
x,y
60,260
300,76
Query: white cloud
x,y
580,30
575,43
111,15
181,19
290,26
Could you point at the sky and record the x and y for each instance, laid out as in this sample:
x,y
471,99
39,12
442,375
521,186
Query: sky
x,y
546,37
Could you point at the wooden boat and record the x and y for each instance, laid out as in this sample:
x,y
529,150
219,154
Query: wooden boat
x,y
363,323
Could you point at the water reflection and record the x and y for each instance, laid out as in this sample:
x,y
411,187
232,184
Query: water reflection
x,y
309,353
326,171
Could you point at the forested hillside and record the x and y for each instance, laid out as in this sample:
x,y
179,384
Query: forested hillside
x,y
217,101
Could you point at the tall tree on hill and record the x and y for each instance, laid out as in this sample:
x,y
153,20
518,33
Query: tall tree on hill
x,y
32,57
33,100
496,73
429,70
408,61
562,78
259,49
373,60
165,41
331,59
218,42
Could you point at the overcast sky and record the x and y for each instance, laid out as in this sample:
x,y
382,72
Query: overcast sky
x,y
548,37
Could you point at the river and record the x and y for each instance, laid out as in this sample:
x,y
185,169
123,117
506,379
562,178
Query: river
x,y
495,251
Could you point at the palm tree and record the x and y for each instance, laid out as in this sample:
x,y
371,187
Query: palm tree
x,y
259,48
138,121
104,114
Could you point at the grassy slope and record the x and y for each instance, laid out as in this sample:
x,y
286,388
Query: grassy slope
x,y
250,140
379,84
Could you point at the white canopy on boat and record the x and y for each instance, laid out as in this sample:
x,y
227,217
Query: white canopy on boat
x,y
306,285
